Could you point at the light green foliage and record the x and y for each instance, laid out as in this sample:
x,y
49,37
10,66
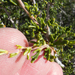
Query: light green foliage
x,y
3,52
13,55
34,57
55,28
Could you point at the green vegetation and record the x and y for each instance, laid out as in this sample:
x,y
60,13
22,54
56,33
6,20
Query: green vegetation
x,y
51,22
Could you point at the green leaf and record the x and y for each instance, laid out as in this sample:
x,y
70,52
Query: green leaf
x,y
31,26
51,38
47,53
72,42
13,55
28,53
34,57
14,2
25,52
19,47
3,51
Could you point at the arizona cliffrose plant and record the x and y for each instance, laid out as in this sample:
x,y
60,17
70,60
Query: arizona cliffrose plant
x,y
37,20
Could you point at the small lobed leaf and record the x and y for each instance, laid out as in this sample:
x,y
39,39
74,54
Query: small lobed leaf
x,y
72,42
34,57
14,2
25,52
29,50
3,51
47,53
19,47
13,55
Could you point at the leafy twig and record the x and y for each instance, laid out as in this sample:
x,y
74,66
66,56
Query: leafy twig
x,y
23,7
